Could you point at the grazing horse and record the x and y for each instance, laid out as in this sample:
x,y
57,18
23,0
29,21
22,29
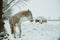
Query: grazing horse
x,y
17,19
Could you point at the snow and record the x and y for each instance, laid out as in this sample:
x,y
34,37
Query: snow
x,y
37,31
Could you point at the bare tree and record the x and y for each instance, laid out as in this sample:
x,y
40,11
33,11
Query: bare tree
x,y
6,4
1,20
2,29
7,7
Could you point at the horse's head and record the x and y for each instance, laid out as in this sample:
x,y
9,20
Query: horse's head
x,y
30,17
28,14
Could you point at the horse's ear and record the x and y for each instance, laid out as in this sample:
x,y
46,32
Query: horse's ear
x,y
28,10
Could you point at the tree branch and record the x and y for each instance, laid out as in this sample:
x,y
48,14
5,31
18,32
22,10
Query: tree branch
x,y
9,3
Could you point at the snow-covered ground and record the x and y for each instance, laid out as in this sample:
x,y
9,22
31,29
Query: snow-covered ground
x,y
37,31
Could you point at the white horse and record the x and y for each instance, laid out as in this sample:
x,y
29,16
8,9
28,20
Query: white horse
x,y
17,19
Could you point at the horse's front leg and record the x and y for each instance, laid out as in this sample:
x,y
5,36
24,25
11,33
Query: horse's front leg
x,y
14,32
20,31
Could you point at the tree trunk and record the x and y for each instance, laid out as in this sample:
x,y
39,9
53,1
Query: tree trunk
x,y
2,29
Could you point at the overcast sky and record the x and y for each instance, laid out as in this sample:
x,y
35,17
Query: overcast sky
x,y
45,8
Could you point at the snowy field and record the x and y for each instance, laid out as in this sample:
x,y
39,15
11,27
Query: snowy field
x,y
37,31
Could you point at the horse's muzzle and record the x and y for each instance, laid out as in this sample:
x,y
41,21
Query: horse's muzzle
x,y
31,20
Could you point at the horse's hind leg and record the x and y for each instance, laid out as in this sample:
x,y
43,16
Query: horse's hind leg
x,y
13,30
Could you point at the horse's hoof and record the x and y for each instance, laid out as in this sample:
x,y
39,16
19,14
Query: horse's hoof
x,y
19,36
14,37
